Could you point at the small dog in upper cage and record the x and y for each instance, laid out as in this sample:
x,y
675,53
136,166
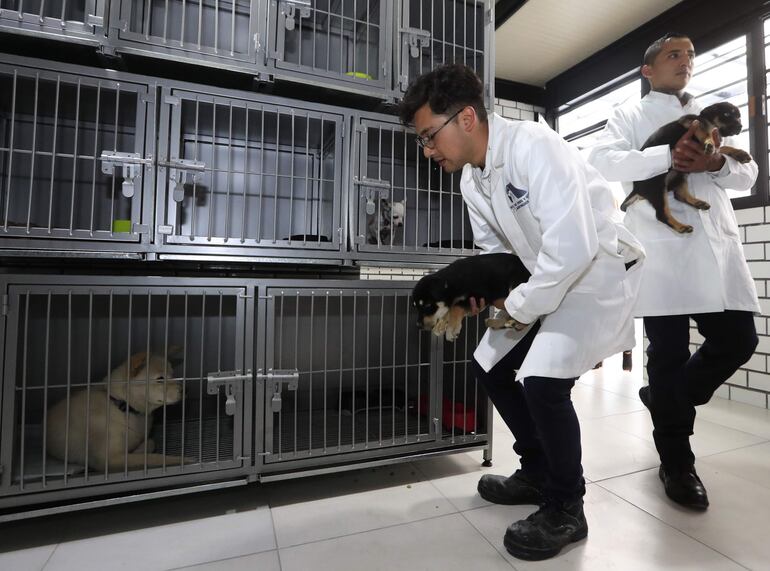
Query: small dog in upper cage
x,y
442,299
108,428
379,228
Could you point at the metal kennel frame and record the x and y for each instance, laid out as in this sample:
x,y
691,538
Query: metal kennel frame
x,y
76,160
221,33
355,380
79,21
389,166
430,33
62,337
251,176
335,43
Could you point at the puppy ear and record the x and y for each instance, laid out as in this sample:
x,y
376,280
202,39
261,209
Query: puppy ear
x,y
136,362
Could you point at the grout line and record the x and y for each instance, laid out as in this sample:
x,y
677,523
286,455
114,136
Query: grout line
x,y
50,556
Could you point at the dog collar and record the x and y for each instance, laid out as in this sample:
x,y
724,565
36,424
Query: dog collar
x,y
124,406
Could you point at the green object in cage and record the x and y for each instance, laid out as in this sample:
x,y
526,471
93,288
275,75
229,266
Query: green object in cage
x,y
360,75
122,226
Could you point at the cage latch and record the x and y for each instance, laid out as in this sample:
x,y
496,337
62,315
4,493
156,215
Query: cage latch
x,y
131,165
274,380
371,190
415,39
290,12
232,381
181,172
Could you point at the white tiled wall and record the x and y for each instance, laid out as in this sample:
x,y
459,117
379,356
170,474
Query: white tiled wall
x,y
516,110
751,383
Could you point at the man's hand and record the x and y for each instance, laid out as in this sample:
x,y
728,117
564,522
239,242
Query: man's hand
x,y
479,306
688,154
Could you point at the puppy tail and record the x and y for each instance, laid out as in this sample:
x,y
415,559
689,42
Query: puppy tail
x,y
630,199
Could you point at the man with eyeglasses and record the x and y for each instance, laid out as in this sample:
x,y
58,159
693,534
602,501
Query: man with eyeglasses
x,y
530,193
702,275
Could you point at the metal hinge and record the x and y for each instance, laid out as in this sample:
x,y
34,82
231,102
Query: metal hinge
x,y
371,190
274,380
94,20
290,12
5,307
130,163
245,296
171,100
415,39
489,16
165,229
232,381
140,228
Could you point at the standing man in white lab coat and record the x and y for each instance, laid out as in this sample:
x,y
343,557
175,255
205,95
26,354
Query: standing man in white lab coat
x,y
530,193
701,276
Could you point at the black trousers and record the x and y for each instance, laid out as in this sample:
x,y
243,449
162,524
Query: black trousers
x,y
540,415
680,381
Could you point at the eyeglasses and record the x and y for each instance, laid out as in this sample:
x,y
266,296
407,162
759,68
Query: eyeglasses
x,y
427,142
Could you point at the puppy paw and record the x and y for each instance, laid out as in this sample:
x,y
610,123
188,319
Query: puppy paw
x,y
440,328
684,229
701,205
495,323
742,156
452,334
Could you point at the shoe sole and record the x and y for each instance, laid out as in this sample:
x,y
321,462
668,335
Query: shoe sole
x,y
529,554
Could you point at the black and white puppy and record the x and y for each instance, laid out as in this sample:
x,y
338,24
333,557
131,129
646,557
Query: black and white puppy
x,y
442,299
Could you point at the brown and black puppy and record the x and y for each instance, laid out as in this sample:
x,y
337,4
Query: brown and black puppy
x,y
726,118
442,299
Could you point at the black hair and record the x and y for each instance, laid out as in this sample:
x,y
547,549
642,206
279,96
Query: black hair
x,y
657,46
446,89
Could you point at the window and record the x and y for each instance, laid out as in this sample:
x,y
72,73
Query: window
x,y
721,75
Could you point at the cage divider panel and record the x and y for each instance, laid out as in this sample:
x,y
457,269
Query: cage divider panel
x,y
212,30
438,32
248,174
69,340
77,19
337,40
364,372
392,169
72,156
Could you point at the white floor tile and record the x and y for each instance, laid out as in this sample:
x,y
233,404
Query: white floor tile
x,y
446,543
266,561
620,537
739,416
344,511
32,559
708,438
170,546
591,402
736,523
608,452
751,463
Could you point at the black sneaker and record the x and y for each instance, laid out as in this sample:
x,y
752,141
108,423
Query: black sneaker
x,y
511,491
547,531
684,487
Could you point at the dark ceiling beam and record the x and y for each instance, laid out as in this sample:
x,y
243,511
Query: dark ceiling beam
x,y
504,9
521,92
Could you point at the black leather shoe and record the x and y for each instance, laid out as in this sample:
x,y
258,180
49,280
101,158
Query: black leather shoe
x,y
514,490
644,395
684,487
547,531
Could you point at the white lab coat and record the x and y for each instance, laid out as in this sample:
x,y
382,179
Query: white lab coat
x,y
701,272
537,198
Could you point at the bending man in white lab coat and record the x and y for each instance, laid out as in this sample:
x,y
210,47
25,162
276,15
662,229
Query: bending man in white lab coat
x,y
530,193
702,275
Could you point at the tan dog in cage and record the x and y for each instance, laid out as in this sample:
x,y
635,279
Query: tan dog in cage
x,y
115,422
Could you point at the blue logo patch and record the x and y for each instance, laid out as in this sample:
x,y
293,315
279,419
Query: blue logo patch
x,y
517,197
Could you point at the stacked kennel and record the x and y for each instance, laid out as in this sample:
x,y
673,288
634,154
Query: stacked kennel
x,y
259,377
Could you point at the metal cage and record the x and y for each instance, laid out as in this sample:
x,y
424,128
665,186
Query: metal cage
x,y
123,382
221,33
256,176
75,160
353,379
337,43
403,206
80,21
431,33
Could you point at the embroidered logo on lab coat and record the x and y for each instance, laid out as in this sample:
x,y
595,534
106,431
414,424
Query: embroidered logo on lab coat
x,y
516,196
